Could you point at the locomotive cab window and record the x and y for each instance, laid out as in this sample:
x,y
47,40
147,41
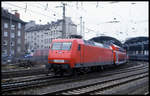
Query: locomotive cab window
x,y
56,46
61,46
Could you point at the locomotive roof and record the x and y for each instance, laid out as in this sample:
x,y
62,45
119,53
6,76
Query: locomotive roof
x,y
87,42
72,39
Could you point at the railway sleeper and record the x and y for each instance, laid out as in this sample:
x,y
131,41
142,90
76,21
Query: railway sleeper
x,y
103,86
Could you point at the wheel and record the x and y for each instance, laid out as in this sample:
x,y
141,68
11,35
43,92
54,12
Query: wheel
x,y
102,68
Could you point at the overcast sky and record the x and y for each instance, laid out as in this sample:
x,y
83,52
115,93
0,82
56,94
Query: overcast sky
x,y
132,16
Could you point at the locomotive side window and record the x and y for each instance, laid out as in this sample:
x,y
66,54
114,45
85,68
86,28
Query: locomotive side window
x,y
61,46
66,45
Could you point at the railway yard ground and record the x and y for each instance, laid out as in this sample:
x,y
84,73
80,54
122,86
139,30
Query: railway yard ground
x,y
130,78
15,67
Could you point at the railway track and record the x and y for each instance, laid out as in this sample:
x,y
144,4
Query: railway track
x,y
42,77
100,87
36,76
26,72
38,71
6,87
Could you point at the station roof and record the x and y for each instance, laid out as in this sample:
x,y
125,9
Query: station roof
x,y
104,39
135,40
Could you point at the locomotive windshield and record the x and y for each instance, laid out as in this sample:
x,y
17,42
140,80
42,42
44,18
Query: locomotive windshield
x,y
61,46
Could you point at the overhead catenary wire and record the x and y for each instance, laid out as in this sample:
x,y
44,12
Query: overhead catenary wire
x,y
29,10
48,9
71,5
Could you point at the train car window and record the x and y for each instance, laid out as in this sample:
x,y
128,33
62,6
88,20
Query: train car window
x,y
66,45
106,46
79,47
98,44
61,46
85,42
89,43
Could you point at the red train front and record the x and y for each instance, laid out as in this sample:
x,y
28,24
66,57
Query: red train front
x,y
62,54
74,55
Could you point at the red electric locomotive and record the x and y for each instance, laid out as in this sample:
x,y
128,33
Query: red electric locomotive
x,y
77,55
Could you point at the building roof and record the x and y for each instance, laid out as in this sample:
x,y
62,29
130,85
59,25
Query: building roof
x,y
5,14
38,27
61,20
45,27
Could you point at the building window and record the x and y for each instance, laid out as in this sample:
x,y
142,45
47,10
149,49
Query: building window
x,y
5,34
19,33
46,33
4,42
18,49
4,52
19,25
12,51
13,27
12,35
5,25
19,41
137,52
12,43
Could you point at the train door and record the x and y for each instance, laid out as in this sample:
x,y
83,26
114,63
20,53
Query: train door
x,y
80,49
81,55
117,58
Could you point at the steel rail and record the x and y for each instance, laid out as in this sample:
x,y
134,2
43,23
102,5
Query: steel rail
x,y
19,85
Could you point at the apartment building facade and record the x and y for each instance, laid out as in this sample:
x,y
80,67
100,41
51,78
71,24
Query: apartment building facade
x,y
12,36
40,36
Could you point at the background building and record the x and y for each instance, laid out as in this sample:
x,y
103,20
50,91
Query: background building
x,y
30,24
35,37
12,38
40,36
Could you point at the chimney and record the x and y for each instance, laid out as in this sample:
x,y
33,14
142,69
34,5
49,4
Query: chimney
x,y
17,15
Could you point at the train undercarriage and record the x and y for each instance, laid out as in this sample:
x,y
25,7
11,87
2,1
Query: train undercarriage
x,y
61,70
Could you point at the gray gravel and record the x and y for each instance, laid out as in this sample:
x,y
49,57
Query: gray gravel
x,y
53,88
